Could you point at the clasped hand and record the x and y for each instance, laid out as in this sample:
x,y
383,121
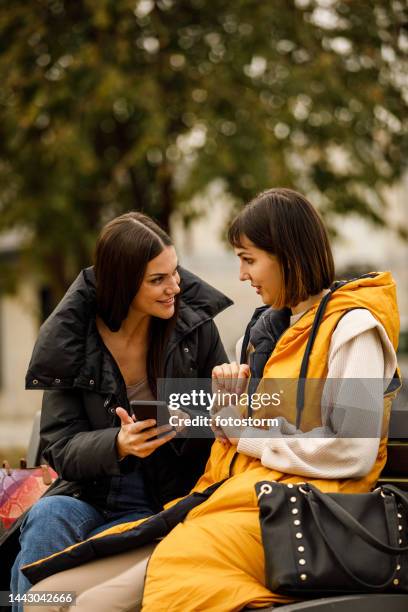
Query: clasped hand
x,y
230,378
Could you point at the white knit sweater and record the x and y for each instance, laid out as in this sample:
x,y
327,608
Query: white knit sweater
x,y
359,349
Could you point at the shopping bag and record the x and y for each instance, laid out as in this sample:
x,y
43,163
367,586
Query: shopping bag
x,y
20,488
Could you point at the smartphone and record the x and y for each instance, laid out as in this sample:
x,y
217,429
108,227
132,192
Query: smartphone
x,y
151,409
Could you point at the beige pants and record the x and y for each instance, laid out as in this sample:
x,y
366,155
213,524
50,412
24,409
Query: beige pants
x,y
111,584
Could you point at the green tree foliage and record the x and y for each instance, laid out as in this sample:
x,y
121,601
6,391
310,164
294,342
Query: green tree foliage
x,y
114,105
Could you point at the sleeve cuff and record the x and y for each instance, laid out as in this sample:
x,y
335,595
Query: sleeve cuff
x,y
250,445
117,465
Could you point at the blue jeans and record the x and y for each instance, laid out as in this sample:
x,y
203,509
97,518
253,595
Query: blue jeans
x,y
54,523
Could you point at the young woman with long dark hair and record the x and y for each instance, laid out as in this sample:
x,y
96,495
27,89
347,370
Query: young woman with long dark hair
x,y
130,320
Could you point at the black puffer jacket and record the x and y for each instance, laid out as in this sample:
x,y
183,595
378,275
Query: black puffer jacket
x,y
83,385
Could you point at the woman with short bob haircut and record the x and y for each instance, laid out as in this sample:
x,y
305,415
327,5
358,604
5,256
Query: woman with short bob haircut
x,y
310,329
285,225
310,340
134,317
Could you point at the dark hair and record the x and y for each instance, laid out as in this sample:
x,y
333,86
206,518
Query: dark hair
x,y
284,223
123,249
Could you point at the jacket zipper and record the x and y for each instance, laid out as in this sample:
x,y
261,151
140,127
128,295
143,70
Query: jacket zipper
x,y
125,404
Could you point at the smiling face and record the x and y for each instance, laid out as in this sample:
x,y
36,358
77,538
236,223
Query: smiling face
x,y
160,285
262,270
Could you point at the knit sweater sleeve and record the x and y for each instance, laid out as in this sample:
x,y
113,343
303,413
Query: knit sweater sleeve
x,y
361,363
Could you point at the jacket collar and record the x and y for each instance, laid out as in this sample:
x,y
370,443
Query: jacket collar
x,y
67,349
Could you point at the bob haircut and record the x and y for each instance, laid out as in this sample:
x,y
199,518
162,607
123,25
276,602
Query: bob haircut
x,y
124,247
285,224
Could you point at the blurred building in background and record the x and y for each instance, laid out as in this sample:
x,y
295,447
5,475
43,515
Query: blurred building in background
x,y
202,249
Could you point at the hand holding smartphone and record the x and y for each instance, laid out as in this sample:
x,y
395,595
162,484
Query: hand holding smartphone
x,y
139,436
144,410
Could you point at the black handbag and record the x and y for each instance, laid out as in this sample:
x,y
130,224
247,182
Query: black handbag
x,y
323,544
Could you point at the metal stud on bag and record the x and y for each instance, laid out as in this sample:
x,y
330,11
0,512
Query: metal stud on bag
x,y
400,528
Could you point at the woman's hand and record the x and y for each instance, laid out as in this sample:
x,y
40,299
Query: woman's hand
x,y
219,433
226,434
230,378
181,416
223,437
134,438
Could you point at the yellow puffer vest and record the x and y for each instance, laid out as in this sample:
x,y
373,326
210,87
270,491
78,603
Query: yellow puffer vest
x,y
223,533
375,292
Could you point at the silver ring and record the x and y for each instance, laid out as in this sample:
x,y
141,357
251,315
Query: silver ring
x,y
386,494
265,489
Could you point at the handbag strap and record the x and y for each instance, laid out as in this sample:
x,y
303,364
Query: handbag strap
x,y
402,497
316,515
300,394
351,523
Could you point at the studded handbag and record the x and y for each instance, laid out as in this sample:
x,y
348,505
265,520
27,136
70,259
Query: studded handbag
x,y
323,544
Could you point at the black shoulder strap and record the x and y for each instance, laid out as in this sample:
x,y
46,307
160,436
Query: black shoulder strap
x,y
300,396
